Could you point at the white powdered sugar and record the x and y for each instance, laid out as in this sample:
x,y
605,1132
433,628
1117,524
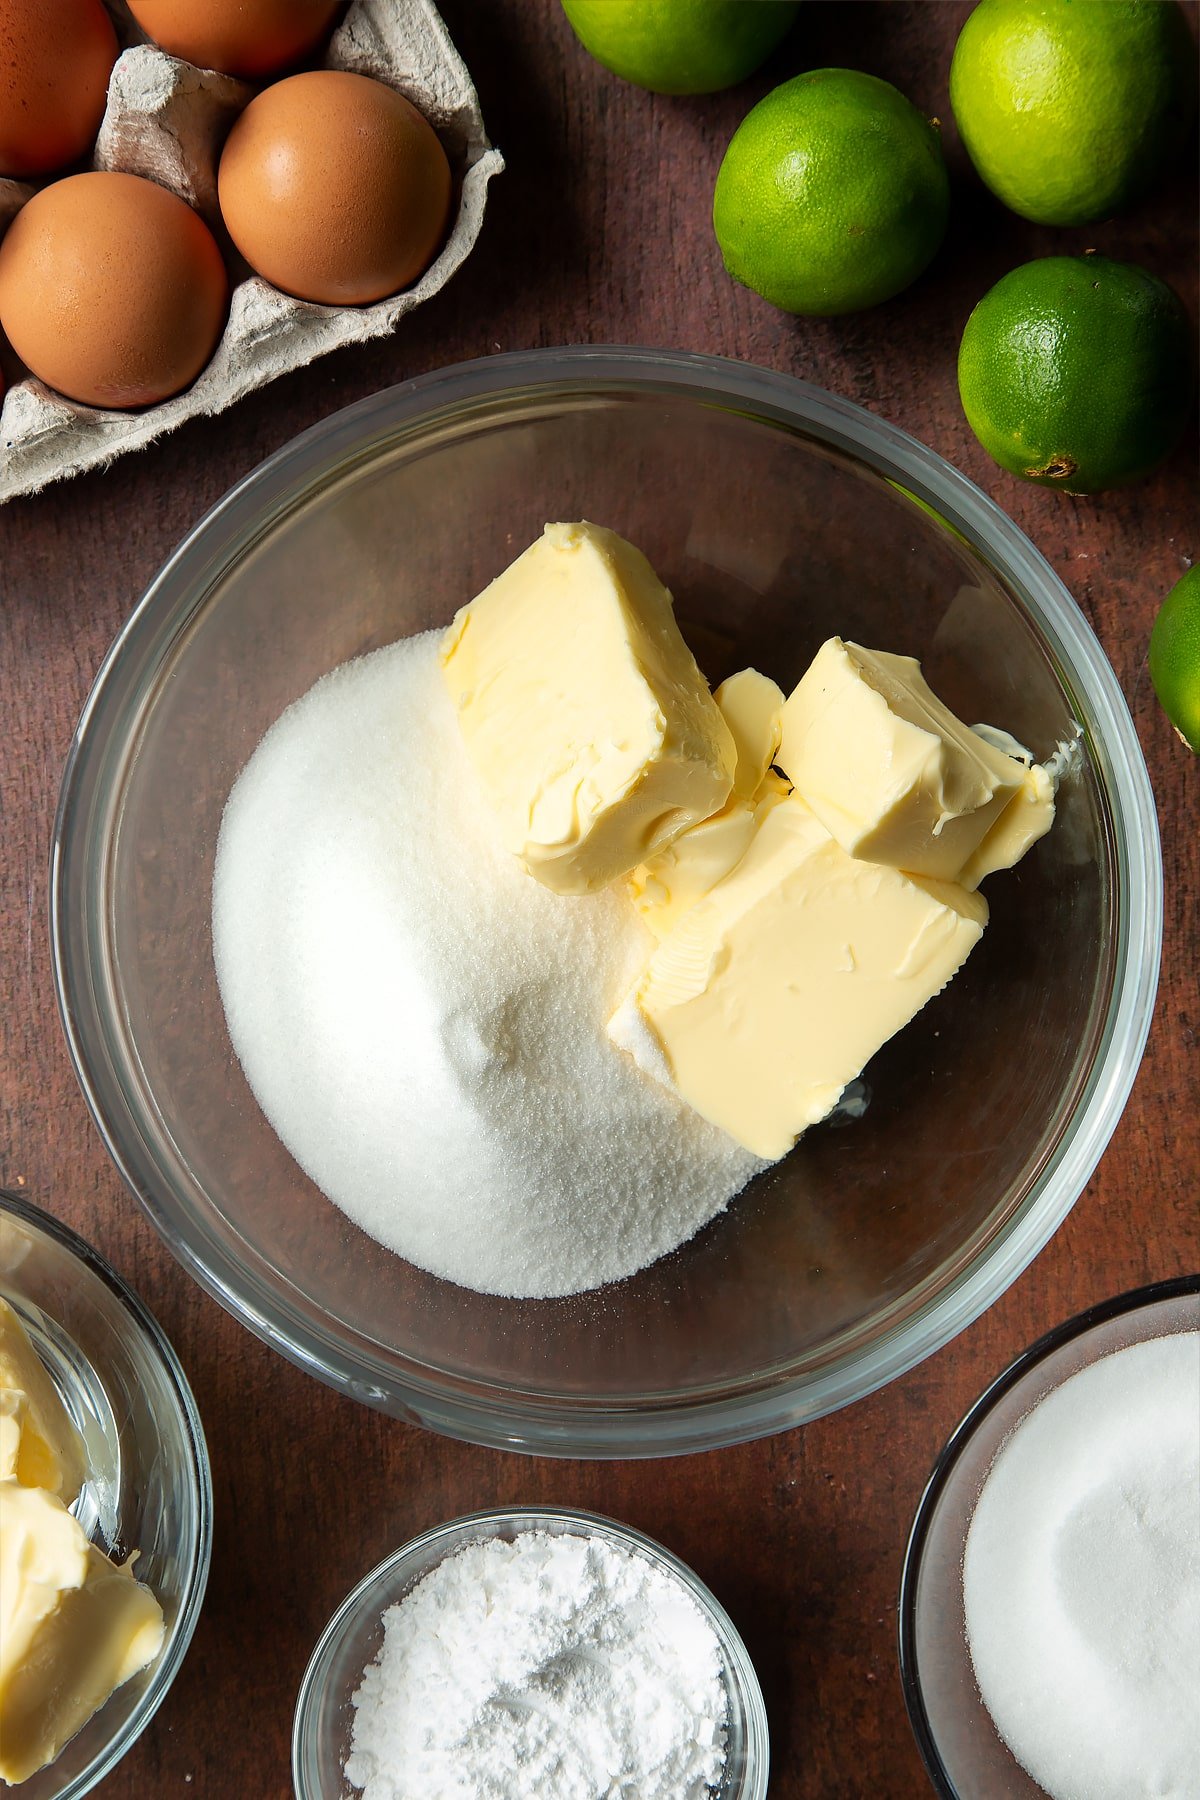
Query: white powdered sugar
x,y
423,1024
1081,1580
561,1666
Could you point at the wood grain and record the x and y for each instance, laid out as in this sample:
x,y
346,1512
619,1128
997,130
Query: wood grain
x,y
599,232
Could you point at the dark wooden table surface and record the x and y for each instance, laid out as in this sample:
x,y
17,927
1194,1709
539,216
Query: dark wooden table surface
x,y
599,231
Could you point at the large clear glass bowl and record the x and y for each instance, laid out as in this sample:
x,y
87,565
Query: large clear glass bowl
x,y
148,1487
778,515
324,1717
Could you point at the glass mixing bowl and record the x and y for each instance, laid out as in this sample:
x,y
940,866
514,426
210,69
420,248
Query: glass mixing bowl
x,y
965,1755
352,1639
148,1486
778,515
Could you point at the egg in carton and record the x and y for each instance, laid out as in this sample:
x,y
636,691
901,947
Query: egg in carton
x,y
167,120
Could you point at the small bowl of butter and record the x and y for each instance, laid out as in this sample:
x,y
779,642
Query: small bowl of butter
x,y
105,1510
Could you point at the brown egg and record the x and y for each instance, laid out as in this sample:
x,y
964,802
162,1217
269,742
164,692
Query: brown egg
x,y
111,290
334,188
251,38
55,60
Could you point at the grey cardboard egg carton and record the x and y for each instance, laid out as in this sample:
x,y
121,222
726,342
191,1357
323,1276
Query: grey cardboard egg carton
x,y
167,120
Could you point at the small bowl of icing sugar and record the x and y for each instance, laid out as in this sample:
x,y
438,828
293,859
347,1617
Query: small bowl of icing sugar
x,y
546,1653
1050,1602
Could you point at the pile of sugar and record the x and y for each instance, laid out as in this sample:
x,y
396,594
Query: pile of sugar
x,y
1081,1580
423,1024
558,1666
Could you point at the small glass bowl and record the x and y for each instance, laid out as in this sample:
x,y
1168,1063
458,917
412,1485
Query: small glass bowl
x,y
352,1638
148,1487
962,1750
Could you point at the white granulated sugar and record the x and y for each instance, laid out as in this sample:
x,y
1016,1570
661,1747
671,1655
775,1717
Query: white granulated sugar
x,y
423,1024
1081,1580
562,1667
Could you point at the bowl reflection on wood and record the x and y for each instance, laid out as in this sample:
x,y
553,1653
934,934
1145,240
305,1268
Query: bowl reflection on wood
x,y
777,515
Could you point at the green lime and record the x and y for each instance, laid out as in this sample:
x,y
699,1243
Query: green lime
x,y
832,195
1077,372
681,46
1175,657
1070,109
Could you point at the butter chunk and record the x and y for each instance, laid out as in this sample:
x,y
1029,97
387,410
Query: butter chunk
x,y
776,989
889,771
39,1443
669,884
1026,818
752,706
583,711
16,1436
73,1627
666,884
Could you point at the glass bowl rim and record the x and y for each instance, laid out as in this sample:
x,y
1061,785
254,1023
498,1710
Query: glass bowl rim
x,y
746,1693
333,448
160,1348
1102,1312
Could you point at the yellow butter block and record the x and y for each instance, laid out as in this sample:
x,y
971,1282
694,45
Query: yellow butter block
x,y
669,884
752,706
775,989
664,886
39,1444
73,1627
1026,818
583,711
16,1436
887,768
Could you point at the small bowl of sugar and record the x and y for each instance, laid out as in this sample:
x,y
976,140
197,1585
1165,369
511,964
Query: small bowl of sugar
x,y
514,1653
1050,1601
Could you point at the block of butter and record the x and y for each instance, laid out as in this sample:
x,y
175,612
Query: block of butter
x,y
887,768
775,989
666,884
752,706
1024,820
73,1627
39,1444
583,711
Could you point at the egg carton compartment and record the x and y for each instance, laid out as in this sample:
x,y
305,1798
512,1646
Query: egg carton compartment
x,y
167,120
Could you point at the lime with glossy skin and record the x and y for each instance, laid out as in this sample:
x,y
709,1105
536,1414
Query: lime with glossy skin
x,y
1175,657
681,46
1071,109
1077,372
832,195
